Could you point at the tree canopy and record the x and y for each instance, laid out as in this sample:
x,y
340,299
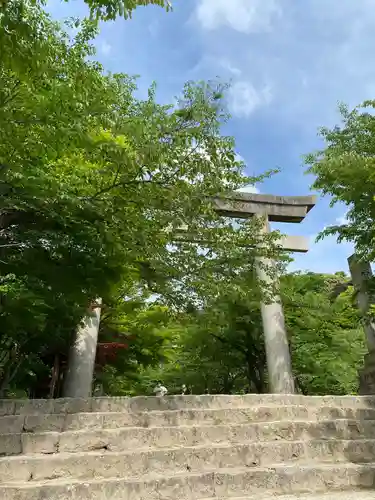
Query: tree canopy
x,y
105,9
326,337
344,169
110,9
219,348
94,184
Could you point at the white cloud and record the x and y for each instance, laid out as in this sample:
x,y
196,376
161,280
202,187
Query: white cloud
x,y
229,68
105,48
288,73
246,16
315,55
244,98
154,28
240,158
342,220
249,189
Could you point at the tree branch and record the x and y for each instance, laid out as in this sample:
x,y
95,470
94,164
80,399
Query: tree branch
x,y
11,95
119,184
225,341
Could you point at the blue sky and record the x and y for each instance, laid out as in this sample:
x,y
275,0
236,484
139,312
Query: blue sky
x,y
290,62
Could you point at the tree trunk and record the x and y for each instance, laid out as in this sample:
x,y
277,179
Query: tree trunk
x,y
55,376
260,378
227,384
249,372
10,371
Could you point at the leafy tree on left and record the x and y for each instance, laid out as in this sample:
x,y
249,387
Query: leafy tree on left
x,y
93,184
108,9
134,336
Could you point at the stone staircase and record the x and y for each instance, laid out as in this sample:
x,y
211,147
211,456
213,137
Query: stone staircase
x,y
188,448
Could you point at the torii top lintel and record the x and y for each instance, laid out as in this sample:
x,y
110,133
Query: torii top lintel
x,y
278,208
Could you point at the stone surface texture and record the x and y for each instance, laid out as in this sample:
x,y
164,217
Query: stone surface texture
x,y
276,342
80,373
362,276
367,374
278,208
287,447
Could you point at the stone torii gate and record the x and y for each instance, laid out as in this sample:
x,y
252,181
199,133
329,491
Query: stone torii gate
x,y
291,209
239,205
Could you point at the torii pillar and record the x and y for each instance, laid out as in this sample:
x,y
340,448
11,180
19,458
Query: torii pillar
x,y
81,363
278,209
362,276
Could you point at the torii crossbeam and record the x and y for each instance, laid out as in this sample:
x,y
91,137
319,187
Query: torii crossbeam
x,y
278,208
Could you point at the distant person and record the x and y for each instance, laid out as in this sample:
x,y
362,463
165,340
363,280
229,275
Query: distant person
x,y
183,389
160,390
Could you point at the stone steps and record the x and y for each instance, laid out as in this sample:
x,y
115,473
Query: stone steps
x,y
187,448
123,439
336,495
107,465
140,404
113,420
227,483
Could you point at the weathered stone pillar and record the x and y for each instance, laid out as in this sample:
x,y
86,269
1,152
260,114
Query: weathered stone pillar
x,y
280,376
81,364
361,274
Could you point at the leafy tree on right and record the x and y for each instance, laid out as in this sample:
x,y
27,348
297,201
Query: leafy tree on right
x,y
345,170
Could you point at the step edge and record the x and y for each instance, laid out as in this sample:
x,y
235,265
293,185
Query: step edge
x,y
182,426
165,477
218,446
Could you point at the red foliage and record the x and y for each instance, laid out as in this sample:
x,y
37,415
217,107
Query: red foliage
x,y
107,352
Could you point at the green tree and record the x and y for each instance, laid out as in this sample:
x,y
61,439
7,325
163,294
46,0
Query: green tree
x,y
135,336
216,346
220,347
228,336
94,184
110,9
105,9
344,169
327,341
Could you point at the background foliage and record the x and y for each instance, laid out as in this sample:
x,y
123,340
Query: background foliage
x,y
95,185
